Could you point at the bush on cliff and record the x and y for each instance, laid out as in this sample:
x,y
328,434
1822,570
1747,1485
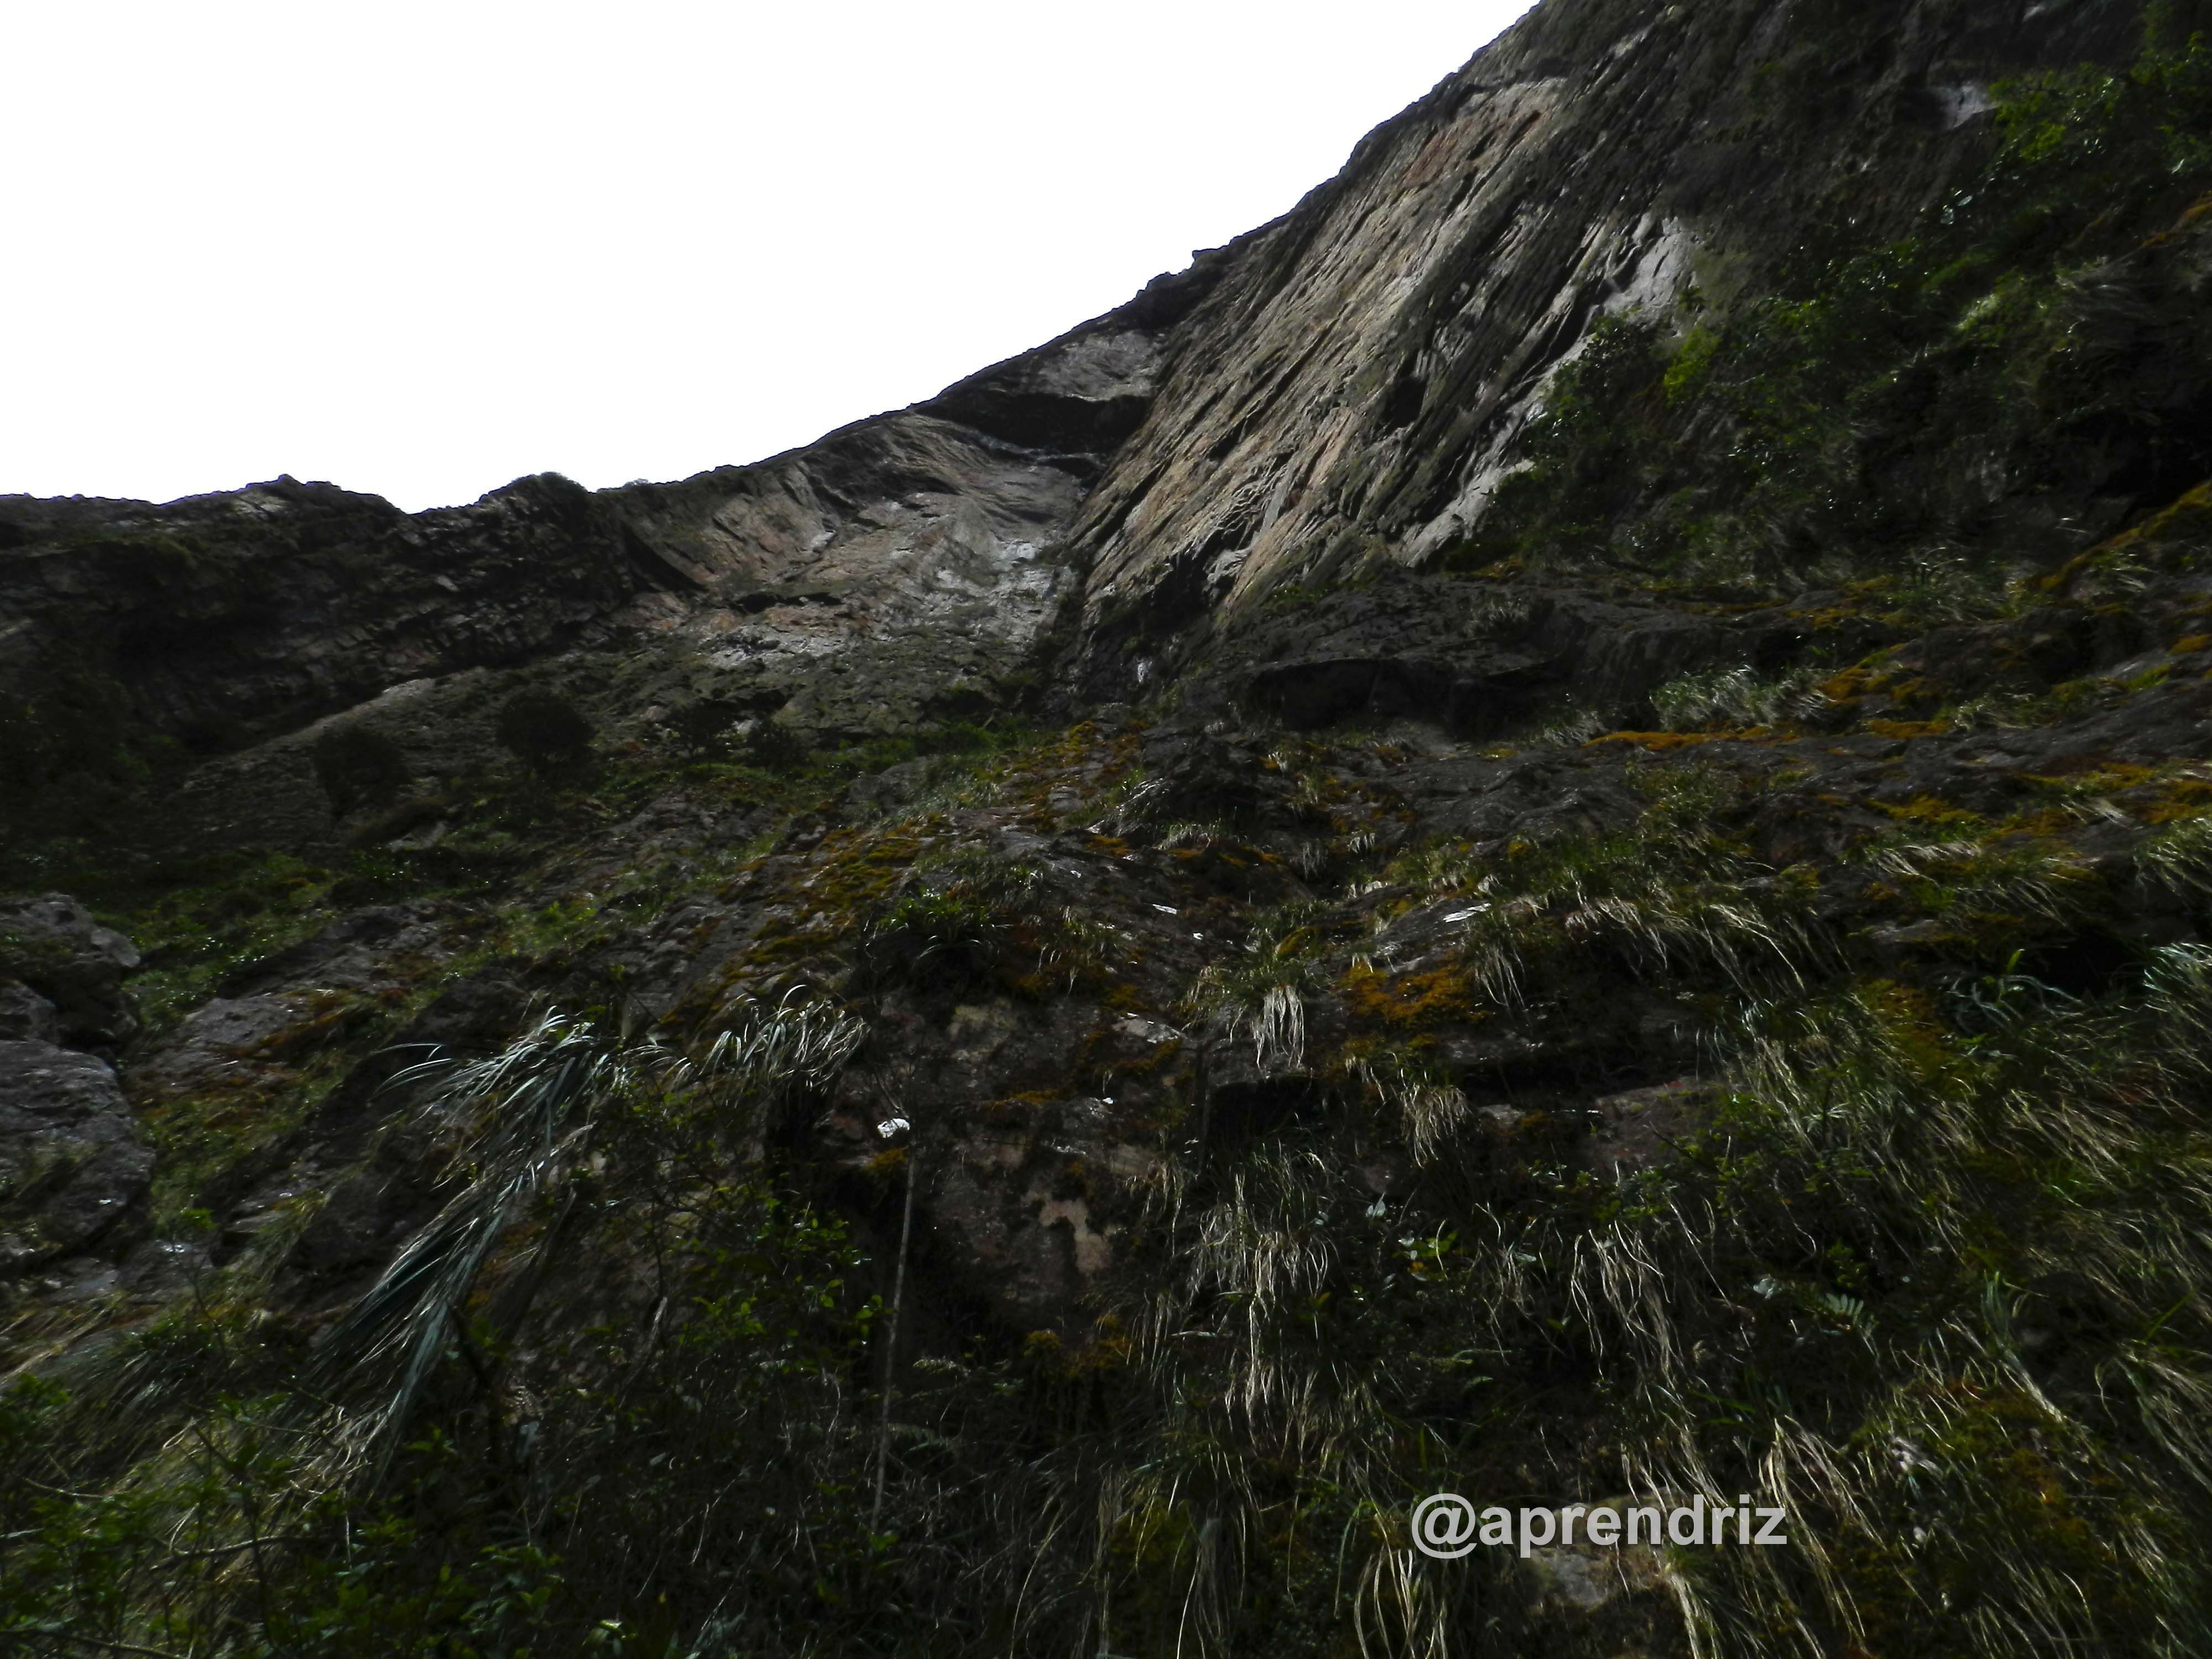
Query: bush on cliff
x,y
702,730
70,750
545,731
357,766
775,747
1850,422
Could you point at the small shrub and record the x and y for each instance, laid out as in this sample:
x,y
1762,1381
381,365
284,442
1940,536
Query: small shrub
x,y
931,935
358,767
702,729
545,731
72,748
1728,698
775,747
953,930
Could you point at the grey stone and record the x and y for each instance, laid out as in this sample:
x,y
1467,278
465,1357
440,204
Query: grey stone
x,y
53,944
72,1165
24,1015
1634,1129
219,1042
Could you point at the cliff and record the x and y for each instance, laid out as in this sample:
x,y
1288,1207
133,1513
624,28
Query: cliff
x,y
1543,832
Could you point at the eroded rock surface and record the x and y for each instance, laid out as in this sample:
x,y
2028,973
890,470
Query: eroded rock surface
x,y
1348,394
73,1166
61,956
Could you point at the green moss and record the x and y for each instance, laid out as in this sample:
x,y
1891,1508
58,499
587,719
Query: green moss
x,y
1691,365
1817,428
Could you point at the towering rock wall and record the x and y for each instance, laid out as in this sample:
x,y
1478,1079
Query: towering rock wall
x,y
1348,394
1335,391
1547,831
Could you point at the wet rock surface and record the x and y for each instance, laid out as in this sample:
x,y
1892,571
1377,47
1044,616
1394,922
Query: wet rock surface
x,y
24,1015
1349,393
58,954
73,1167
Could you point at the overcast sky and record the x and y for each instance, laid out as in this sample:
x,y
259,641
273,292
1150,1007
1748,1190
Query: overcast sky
x,y
422,249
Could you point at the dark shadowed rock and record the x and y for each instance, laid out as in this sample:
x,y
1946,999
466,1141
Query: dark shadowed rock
x,y
72,1166
52,945
1273,1012
1638,1127
24,1015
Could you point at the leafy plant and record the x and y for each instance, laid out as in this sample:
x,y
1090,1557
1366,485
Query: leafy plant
x,y
521,1122
1261,994
358,766
775,745
545,731
1730,698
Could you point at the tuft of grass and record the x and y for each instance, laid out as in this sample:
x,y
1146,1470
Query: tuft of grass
x,y
1261,994
520,1123
1729,699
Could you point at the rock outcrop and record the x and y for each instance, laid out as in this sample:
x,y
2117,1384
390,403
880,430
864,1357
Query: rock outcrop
x,y
73,1166
1348,394
900,571
61,972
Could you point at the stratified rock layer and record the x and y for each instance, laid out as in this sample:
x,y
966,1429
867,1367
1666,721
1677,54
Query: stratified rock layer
x,y
73,1166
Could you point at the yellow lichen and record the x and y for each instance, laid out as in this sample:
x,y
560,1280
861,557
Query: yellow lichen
x,y
2180,798
2191,515
1930,808
1439,996
1656,740
1909,729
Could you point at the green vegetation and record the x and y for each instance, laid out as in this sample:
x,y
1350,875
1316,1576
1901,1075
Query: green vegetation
x,y
1732,698
74,753
774,746
1923,1267
1261,994
1833,427
358,766
241,1514
545,731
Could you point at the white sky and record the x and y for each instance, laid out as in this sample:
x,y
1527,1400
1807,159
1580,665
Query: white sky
x,y
422,249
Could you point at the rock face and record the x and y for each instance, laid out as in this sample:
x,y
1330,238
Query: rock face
x,y
1347,392
899,572
1336,391
67,972
26,1015
73,1166
1547,827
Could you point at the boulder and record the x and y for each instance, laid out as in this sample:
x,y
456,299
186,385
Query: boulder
x,y
72,1164
24,1015
1637,1128
1613,1599
224,1044
52,943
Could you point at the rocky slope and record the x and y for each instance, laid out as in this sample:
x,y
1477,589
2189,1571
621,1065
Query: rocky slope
x,y
1541,832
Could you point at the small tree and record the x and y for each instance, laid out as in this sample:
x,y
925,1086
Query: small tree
x,y
702,729
545,731
775,747
358,767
